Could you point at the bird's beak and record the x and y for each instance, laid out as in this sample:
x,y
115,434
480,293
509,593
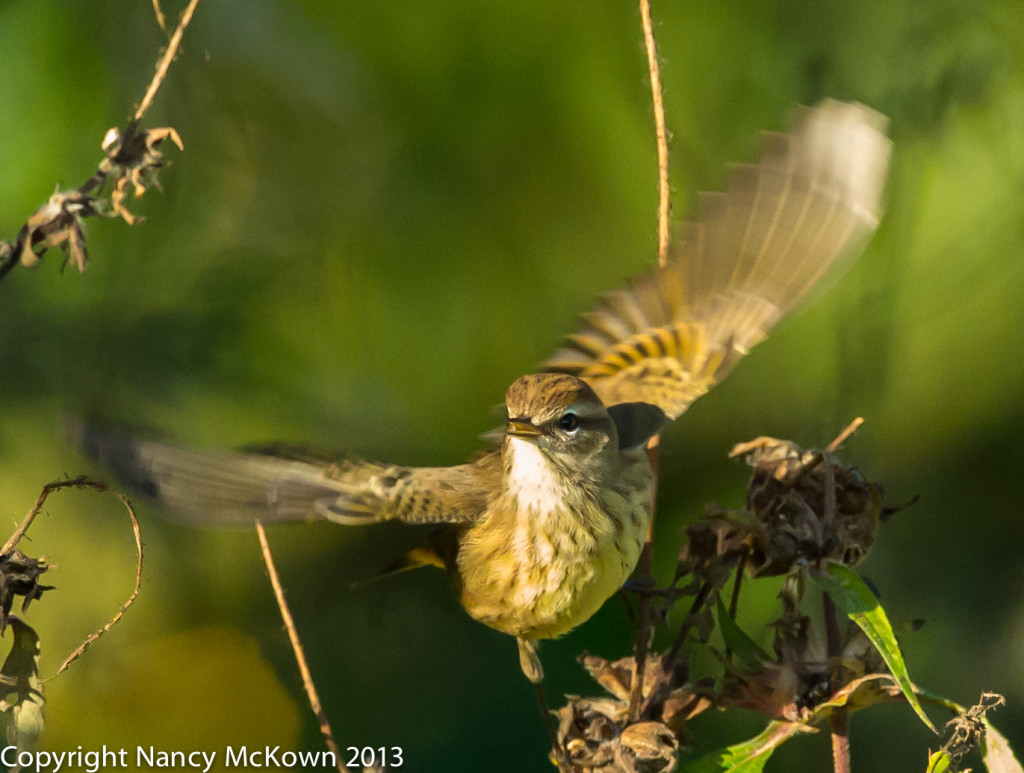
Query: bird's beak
x,y
523,429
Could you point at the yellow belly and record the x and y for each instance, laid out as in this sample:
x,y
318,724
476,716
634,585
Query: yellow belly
x,y
541,576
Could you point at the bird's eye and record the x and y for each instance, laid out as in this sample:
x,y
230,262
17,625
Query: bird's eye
x,y
569,421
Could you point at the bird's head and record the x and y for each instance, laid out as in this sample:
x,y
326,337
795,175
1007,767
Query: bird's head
x,y
561,415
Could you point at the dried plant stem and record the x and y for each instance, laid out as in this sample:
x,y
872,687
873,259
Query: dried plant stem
x,y
817,459
839,722
160,20
645,576
734,599
699,600
81,648
558,754
658,104
300,655
833,638
165,61
841,438
644,569
83,482
131,157
49,488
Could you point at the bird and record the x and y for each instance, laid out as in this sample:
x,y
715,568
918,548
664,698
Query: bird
x,y
540,530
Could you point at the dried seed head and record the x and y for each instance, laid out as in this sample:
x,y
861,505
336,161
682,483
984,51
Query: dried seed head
x,y
808,508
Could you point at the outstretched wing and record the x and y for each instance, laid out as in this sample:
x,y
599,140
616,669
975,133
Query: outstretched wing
x,y
215,488
754,254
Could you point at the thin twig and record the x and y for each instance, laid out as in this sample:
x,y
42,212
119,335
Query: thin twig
x,y
645,575
817,459
838,721
15,538
841,438
657,101
832,638
300,655
160,20
165,61
645,565
558,755
81,648
734,599
698,601
132,157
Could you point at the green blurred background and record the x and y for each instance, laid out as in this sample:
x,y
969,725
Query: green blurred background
x,y
385,213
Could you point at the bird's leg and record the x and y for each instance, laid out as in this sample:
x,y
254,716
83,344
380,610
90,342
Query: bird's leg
x,y
529,661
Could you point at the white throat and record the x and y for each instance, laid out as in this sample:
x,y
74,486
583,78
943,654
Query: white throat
x,y
531,480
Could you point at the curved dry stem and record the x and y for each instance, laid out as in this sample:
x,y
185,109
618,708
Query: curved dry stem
x,y
91,638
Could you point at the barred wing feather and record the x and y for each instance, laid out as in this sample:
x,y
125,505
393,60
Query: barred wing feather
x,y
280,483
754,254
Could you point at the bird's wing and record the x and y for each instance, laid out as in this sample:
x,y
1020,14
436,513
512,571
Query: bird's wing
x,y
412,494
215,488
754,254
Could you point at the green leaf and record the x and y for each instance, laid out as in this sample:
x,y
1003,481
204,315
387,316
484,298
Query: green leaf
x,y
939,762
745,649
996,752
938,700
852,596
749,756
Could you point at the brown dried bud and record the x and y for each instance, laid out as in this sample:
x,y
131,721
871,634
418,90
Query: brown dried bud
x,y
807,507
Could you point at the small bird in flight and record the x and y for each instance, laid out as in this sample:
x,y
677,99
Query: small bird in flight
x,y
540,531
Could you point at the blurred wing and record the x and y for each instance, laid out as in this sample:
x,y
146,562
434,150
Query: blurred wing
x,y
755,253
213,488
